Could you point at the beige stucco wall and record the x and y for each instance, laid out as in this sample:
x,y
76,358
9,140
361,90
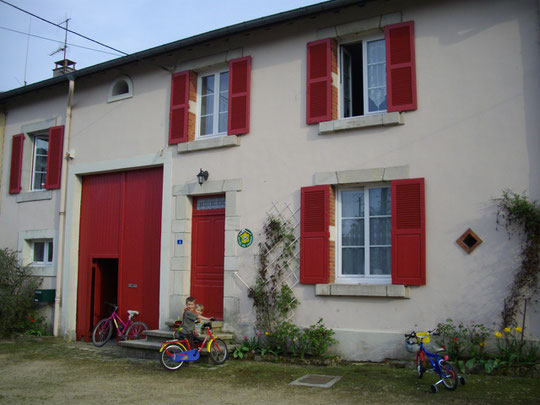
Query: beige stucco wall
x,y
475,133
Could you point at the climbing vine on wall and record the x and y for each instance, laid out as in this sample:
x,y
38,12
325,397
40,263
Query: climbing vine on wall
x,y
273,299
521,217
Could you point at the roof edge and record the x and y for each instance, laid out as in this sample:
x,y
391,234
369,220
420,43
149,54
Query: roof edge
x,y
186,42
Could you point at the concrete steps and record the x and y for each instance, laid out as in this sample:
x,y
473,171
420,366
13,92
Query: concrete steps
x,y
149,348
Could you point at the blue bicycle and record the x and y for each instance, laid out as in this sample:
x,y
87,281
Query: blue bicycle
x,y
414,343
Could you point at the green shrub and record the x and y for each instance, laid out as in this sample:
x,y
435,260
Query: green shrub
x,y
17,286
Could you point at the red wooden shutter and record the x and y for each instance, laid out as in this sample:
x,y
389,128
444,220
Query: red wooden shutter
x,y
408,232
400,67
17,143
178,117
319,81
55,157
314,234
239,94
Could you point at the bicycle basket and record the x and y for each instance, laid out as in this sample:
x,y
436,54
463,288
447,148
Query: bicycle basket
x,y
423,337
411,346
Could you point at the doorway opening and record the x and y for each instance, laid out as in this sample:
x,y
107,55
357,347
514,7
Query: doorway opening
x,y
104,288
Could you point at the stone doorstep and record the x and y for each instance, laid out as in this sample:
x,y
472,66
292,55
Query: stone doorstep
x,y
156,337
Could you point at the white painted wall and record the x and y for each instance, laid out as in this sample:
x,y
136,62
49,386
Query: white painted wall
x,y
475,133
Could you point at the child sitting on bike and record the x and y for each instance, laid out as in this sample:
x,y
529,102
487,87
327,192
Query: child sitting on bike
x,y
199,309
189,318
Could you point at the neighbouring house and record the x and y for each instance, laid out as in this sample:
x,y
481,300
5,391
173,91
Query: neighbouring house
x,y
383,130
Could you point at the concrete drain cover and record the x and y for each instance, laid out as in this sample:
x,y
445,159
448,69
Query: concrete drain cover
x,y
316,380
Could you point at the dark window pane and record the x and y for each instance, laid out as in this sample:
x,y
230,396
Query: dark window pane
x,y
380,231
352,232
50,255
380,261
352,204
39,248
352,261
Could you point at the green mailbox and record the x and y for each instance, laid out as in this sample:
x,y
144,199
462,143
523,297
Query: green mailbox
x,y
44,295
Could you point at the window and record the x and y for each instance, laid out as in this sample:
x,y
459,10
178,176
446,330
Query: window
x,y
376,75
45,164
365,235
363,77
120,89
380,234
42,252
214,103
222,97
39,162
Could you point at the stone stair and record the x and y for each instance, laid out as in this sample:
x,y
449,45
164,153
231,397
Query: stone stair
x,y
149,348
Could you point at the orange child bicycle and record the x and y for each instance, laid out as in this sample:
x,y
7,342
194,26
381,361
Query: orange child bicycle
x,y
175,352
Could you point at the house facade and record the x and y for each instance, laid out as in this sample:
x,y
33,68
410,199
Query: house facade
x,y
384,131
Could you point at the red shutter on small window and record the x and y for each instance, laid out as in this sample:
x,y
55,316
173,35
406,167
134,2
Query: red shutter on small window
x,y
408,232
17,143
55,157
400,67
239,94
178,117
319,81
314,234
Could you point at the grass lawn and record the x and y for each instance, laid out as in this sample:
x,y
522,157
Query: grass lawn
x,y
52,371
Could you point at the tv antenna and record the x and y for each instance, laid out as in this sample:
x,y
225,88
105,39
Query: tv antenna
x,y
63,48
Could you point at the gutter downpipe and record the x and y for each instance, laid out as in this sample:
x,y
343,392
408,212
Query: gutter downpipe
x,y
62,212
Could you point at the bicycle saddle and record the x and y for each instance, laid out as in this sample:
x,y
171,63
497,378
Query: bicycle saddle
x,y
132,312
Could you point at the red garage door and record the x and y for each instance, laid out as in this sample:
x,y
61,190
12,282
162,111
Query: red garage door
x,y
119,246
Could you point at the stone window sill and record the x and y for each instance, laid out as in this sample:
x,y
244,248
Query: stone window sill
x,y
208,144
374,120
363,290
34,196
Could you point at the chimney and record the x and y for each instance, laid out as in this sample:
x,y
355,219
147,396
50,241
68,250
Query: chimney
x,y
63,66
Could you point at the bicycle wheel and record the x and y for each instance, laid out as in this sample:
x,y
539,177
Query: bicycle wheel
x,y
420,369
102,333
218,351
136,331
449,376
168,356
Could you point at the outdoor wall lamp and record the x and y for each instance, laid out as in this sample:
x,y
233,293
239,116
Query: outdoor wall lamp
x,y
202,176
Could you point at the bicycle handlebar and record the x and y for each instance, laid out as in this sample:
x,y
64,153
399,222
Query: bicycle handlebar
x,y
431,332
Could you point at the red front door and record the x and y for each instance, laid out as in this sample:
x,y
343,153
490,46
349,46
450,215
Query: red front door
x,y
207,254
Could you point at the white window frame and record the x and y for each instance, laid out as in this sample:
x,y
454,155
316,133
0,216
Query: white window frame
x,y
34,138
364,40
48,248
216,73
366,278
121,96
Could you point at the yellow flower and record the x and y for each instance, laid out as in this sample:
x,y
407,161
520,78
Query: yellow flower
x,y
482,344
266,333
506,330
499,335
518,329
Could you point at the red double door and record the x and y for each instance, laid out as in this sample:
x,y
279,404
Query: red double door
x,y
207,253
119,246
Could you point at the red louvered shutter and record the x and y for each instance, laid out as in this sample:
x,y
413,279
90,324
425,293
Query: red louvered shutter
x,y
178,117
408,232
314,234
55,157
239,94
16,164
400,67
319,81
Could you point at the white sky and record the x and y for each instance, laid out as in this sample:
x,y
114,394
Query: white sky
x,y
127,25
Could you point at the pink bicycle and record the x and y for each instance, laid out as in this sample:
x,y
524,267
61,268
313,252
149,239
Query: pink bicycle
x,y
125,330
